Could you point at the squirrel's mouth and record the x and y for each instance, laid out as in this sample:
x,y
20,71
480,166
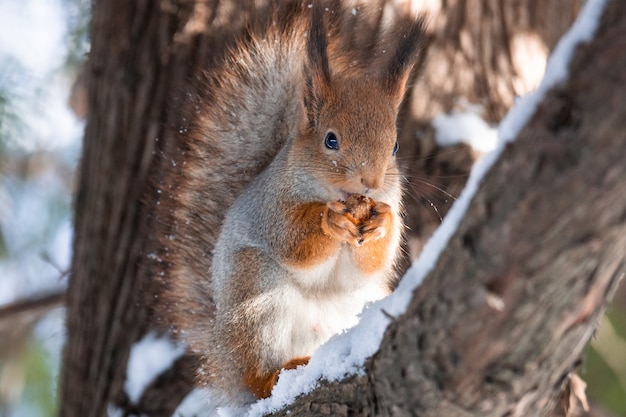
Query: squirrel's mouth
x,y
344,195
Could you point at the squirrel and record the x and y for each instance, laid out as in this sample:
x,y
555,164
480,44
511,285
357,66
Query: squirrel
x,y
284,207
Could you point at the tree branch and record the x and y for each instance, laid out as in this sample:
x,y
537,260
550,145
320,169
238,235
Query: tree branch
x,y
34,305
545,236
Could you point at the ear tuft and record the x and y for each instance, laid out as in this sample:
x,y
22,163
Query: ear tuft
x,y
411,39
317,47
318,77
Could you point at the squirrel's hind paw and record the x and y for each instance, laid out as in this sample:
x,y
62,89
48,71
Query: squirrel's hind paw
x,y
262,385
295,362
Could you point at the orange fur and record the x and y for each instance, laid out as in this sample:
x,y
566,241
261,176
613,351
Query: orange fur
x,y
372,255
306,244
262,385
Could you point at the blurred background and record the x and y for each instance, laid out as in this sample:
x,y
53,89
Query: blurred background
x,y
42,46
42,43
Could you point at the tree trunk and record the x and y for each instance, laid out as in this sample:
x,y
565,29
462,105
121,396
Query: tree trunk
x,y
487,52
132,73
143,52
482,55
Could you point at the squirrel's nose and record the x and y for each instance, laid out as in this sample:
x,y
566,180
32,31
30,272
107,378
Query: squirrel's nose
x,y
371,182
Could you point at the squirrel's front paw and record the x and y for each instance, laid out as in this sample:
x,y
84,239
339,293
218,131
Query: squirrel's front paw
x,y
337,223
357,220
377,225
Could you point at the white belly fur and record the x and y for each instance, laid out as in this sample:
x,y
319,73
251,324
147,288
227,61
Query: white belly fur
x,y
319,303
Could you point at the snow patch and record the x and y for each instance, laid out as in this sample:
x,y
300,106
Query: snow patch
x,y
203,402
149,357
467,127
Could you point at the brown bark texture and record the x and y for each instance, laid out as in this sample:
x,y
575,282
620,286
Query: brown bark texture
x,y
130,77
481,51
546,240
483,54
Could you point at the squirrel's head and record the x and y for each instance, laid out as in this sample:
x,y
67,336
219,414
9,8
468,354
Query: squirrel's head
x,y
349,136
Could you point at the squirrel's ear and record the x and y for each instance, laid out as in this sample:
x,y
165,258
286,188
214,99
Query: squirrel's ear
x,y
410,35
318,70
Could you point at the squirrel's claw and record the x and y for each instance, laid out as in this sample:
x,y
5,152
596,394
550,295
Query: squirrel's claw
x,y
337,225
338,207
376,226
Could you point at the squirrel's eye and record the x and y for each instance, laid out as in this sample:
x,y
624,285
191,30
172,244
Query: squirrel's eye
x,y
331,141
395,148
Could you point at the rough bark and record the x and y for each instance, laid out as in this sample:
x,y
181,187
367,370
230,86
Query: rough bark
x,y
545,235
483,54
142,52
487,52
131,74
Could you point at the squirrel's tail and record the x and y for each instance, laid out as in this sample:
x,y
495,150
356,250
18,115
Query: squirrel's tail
x,y
234,120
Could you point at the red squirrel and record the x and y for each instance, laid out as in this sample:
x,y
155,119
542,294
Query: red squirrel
x,y
291,151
